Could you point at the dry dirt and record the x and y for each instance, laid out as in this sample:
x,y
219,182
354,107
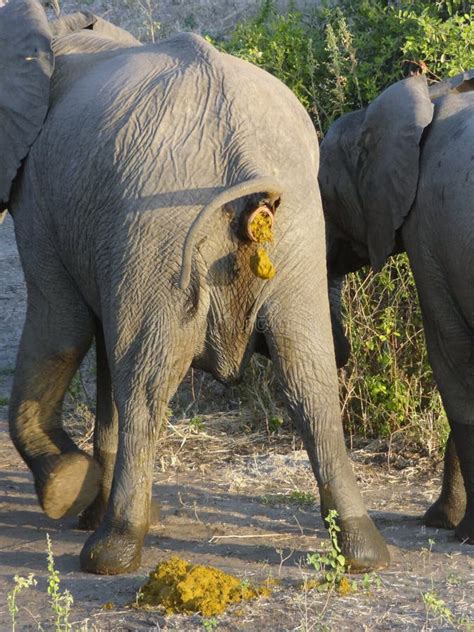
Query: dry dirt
x,y
231,495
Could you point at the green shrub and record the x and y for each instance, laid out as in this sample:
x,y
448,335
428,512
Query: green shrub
x,y
337,58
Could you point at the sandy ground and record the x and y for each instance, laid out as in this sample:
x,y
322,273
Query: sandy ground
x,y
236,499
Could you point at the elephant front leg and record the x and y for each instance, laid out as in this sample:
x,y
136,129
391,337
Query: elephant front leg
x,y
115,547
300,342
449,509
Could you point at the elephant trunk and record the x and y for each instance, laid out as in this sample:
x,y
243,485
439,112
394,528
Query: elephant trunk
x,y
255,185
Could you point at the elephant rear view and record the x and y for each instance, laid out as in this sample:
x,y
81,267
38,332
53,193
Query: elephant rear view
x,y
399,175
168,204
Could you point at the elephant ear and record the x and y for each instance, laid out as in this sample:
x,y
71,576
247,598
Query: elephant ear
x,y
463,82
26,66
388,162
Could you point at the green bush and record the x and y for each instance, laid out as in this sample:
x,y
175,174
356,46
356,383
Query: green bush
x,y
337,58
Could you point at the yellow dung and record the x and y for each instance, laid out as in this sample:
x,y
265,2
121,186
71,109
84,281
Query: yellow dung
x,y
261,228
261,265
180,587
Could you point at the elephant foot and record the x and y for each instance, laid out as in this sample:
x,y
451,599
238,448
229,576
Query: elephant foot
x,y
109,552
465,529
444,515
362,545
92,517
70,485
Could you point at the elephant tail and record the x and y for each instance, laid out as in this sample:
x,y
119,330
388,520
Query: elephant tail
x,y
266,185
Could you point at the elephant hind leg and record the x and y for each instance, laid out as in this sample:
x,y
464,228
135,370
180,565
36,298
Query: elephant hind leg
x,y
105,440
57,334
448,510
301,348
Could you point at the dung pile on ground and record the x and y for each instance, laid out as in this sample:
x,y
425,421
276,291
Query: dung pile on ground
x,y
179,587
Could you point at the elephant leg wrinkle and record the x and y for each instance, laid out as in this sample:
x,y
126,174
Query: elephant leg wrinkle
x,y
316,414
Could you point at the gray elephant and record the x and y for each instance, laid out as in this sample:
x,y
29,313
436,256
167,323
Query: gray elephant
x,y
163,186
399,175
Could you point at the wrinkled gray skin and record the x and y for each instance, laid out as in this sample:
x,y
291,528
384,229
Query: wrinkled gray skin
x,y
399,175
146,149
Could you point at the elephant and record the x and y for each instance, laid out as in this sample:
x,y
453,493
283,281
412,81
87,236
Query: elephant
x,y
165,204
398,176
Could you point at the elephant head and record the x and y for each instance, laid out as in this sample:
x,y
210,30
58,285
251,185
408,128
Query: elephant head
x,y
368,177
369,174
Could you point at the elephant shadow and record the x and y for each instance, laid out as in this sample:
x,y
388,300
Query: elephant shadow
x,y
292,527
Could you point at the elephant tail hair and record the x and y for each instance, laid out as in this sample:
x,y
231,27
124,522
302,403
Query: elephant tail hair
x,y
265,184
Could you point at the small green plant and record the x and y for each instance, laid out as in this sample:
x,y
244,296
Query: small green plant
x,y
437,607
197,424
454,580
210,624
369,581
296,497
245,585
60,602
332,564
275,423
302,498
4,401
21,583
333,568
